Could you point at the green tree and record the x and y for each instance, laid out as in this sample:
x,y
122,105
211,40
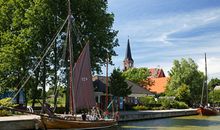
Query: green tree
x,y
183,94
186,72
138,75
117,85
213,83
216,96
14,63
27,26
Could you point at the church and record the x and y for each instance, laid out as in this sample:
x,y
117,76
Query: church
x,y
157,75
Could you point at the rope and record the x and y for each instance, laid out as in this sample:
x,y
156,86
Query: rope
x,y
50,45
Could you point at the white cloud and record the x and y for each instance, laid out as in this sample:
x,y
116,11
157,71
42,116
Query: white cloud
x,y
213,66
152,43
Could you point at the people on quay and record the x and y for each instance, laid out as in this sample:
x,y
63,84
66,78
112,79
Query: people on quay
x,y
84,116
94,114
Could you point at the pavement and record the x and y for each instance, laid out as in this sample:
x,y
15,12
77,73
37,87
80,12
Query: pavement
x,y
19,117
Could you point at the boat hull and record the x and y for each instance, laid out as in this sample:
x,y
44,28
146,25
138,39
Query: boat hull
x,y
55,123
207,111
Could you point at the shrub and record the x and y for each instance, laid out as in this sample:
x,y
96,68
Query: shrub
x,y
169,103
140,107
147,100
166,103
6,102
182,105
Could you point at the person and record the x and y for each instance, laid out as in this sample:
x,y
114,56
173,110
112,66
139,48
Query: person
x,y
84,116
117,116
48,110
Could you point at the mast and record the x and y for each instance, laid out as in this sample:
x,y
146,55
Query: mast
x,y
106,89
206,80
71,60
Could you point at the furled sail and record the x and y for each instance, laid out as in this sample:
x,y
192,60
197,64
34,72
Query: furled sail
x,y
83,91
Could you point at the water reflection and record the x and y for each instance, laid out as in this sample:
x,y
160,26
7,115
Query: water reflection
x,y
177,123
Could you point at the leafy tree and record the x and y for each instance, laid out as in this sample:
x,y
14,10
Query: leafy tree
x,y
14,63
138,75
117,86
148,100
27,26
216,96
183,94
185,72
213,83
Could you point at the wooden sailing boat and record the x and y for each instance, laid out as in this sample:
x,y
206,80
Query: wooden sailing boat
x,y
82,96
80,90
206,109
81,93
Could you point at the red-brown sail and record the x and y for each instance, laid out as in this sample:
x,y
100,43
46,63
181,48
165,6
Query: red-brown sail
x,y
83,90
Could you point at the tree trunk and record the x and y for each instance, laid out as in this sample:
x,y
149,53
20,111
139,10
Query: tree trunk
x,y
44,82
55,77
34,89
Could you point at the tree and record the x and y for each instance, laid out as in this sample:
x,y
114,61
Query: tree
x,y
213,83
183,94
95,24
185,72
216,96
138,75
117,85
27,26
14,63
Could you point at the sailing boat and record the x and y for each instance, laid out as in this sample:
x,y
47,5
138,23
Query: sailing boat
x,y
80,90
206,109
84,96
81,93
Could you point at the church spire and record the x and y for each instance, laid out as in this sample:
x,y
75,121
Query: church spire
x,y
128,61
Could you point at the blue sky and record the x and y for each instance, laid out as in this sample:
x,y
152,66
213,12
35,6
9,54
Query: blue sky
x,y
161,31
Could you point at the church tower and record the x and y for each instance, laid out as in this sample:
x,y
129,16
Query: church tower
x,y
128,61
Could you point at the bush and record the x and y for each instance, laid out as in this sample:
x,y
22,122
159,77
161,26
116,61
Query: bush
x,y
6,102
169,103
166,103
147,100
183,105
140,107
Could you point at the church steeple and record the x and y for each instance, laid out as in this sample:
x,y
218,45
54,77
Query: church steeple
x,y
128,61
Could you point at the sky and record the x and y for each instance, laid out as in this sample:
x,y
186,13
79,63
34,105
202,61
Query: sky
x,y
161,31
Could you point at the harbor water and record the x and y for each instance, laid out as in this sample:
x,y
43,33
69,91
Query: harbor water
x,y
177,123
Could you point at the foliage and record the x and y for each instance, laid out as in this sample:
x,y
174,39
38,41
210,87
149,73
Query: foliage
x,y
183,94
117,85
6,102
148,103
26,28
138,75
214,96
185,72
168,103
140,107
147,100
213,83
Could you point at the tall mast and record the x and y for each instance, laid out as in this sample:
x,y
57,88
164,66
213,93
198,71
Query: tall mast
x,y
69,28
106,91
206,80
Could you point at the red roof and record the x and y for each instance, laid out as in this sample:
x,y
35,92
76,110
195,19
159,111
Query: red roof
x,y
155,72
159,85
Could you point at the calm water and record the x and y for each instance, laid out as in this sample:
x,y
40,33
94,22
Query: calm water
x,y
177,123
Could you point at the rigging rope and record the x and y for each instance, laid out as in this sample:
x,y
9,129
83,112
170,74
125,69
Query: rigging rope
x,y
47,50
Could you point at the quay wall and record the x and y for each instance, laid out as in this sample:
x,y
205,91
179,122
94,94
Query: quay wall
x,y
27,122
21,122
143,115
